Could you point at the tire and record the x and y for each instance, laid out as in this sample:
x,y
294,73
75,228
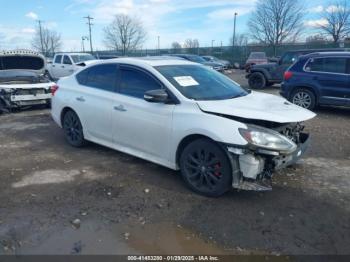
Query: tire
x,y
73,129
257,81
304,98
206,168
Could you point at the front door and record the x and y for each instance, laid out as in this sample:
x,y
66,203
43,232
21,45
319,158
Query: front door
x,y
141,127
67,67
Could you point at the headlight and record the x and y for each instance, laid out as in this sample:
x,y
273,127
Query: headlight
x,y
267,139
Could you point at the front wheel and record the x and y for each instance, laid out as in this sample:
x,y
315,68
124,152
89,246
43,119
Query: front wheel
x,y
205,168
304,98
257,81
73,129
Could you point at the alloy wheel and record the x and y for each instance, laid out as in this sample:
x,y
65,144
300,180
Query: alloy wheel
x,y
302,99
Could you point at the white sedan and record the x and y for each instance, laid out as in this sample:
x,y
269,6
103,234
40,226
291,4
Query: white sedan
x,y
184,116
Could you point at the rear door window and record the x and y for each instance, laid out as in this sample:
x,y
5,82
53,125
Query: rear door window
x,y
102,77
58,59
327,65
135,82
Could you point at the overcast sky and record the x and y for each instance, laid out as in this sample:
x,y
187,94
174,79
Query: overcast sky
x,y
172,20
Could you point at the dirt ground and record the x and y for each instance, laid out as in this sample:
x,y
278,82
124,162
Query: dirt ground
x,y
55,199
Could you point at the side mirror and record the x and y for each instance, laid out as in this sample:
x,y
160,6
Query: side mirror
x,y
156,96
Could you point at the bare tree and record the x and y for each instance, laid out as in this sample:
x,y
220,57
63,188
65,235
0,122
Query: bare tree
x,y
46,41
336,19
276,21
176,47
191,43
124,33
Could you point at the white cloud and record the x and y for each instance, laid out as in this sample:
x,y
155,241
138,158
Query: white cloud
x,y
32,15
316,9
15,37
316,22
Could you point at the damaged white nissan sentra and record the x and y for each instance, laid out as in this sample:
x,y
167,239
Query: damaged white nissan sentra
x,y
184,116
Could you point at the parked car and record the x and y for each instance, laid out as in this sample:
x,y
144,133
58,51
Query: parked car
x,y
255,58
319,79
198,59
65,64
225,63
22,80
184,116
261,76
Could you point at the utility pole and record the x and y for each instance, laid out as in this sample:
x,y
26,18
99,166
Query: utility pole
x,y
41,37
89,18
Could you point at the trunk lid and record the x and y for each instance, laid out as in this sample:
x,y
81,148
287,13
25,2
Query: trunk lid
x,y
22,60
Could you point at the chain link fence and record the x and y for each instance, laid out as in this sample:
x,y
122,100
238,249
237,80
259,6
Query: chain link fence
x,y
237,54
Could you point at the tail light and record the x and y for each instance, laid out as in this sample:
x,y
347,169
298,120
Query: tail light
x,y
288,75
54,88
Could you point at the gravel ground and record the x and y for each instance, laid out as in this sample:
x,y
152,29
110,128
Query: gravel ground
x,y
56,199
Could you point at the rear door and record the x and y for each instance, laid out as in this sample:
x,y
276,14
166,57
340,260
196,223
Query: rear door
x,y
94,100
332,78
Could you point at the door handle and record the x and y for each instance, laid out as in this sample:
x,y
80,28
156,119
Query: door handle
x,y
120,108
53,66
80,99
62,66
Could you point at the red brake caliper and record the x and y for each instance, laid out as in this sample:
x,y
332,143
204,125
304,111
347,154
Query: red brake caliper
x,y
217,169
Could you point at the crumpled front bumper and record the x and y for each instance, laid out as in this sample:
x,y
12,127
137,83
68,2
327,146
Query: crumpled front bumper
x,y
255,168
283,161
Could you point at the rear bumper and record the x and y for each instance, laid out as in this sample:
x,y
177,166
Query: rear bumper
x,y
285,90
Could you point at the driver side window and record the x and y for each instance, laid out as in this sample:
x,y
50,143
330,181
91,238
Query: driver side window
x,y
135,82
66,60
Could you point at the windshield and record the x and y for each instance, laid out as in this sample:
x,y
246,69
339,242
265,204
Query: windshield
x,y
82,58
201,83
257,56
196,59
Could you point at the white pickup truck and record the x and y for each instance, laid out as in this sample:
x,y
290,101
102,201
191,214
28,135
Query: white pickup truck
x,y
65,64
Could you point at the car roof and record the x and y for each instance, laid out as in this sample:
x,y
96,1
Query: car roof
x,y
68,53
316,54
319,50
151,61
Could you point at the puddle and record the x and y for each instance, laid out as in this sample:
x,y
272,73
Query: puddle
x,y
93,238
169,239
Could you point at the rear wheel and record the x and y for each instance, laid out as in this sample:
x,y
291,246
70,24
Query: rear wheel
x,y
73,129
304,98
205,168
257,81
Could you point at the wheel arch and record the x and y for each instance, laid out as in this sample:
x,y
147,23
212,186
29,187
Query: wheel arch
x,y
263,71
307,87
186,141
64,111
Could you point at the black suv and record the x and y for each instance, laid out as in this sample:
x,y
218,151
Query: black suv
x,y
261,76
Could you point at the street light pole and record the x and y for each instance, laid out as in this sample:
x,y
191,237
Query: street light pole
x,y
158,45
234,33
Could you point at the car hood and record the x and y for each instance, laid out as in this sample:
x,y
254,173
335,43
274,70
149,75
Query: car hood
x,y
268,65
22,60
258,106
